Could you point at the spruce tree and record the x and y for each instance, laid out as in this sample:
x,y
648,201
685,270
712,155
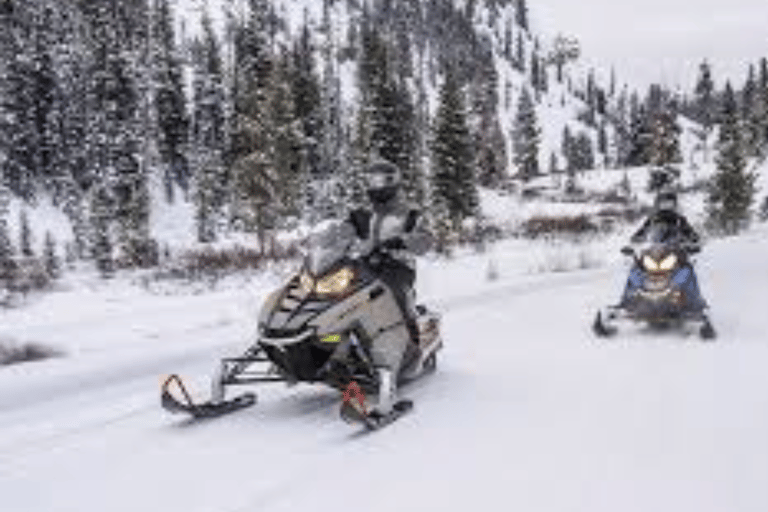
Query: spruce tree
x,y
520,53
704,101
665,137
6,246
25,235
732,188
170,102
287,140
254,179
521,14
51,261
751,114
526,138
762,103
455,195
208,127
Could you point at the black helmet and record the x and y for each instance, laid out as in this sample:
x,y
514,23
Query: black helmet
x,y
383,181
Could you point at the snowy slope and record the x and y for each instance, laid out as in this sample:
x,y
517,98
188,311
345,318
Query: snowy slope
x,y
528,411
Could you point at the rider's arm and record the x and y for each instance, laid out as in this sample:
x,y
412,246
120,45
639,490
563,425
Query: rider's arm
x,y
640,234
688,232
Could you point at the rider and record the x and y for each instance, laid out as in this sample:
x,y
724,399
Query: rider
x,y
673,225
390,232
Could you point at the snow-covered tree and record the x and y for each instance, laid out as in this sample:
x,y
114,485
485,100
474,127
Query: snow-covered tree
x,y
169,101
25,235
254,178
521,14
208,134
454,192
51,261
732,188
526,138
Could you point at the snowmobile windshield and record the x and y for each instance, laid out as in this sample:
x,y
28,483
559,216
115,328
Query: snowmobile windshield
x,y
328,247
662,234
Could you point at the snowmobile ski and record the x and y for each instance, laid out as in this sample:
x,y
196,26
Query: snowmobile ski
x,y
205,410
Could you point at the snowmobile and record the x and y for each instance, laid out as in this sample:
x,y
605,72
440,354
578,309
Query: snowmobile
x,y
318,328
665,295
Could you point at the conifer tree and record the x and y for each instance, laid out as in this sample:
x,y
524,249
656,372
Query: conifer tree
x,y
665,137
520,53
455,196
521,14
287,140
25,235
51,261
704,101
208,134
170,102
6,246
526,138
732,188
751,114
254,179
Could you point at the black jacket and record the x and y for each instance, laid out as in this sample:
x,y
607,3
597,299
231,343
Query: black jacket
x,y
675,224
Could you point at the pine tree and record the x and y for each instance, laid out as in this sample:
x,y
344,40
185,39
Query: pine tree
x,y
761,107
641,136
118,192
170,102
762,103
520,53
254,179
732,188
6,247
535,77
665,137
704,101
455,195
25,235
208,127
526,138
287,140
602,143
752,115
521,14
51,261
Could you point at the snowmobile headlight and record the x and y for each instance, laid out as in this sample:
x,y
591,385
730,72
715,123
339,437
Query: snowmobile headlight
x,y
650,264
668,263
336,282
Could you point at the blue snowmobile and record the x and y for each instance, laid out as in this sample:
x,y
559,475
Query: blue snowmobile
x,y
662,289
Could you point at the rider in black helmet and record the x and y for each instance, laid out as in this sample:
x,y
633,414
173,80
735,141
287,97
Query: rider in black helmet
x,y
666,223
390,233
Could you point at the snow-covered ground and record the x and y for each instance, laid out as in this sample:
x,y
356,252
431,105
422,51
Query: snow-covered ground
x,y
528,411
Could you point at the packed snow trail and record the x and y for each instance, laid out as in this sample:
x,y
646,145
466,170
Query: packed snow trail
x,y
528,411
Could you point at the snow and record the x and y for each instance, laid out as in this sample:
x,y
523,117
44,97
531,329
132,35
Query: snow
x,y
527,408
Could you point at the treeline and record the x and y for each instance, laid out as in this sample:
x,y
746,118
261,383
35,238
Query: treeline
x,y
103,104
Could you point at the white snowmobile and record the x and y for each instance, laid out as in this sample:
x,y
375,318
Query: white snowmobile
x,y
661,291
318,329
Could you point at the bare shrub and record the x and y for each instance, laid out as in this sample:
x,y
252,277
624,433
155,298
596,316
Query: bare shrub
x,y
574,225
13,353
